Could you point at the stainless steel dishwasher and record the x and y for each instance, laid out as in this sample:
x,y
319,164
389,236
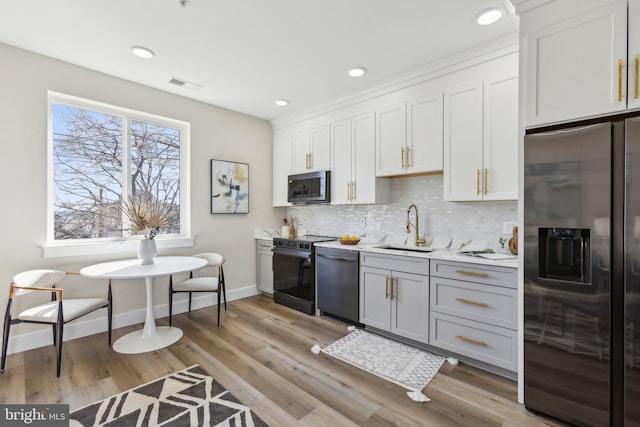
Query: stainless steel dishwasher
x,y
337,282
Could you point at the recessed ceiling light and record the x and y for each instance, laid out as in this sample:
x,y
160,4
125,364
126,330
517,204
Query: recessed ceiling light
x,y
281,102
357,72
142,52
489,16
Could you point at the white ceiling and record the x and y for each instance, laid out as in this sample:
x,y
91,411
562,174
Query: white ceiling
x,y
247,53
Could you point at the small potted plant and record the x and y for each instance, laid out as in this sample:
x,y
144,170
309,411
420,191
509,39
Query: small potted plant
x,y
147,216
502,242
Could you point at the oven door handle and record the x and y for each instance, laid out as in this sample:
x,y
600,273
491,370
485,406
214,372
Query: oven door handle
x,y
292,253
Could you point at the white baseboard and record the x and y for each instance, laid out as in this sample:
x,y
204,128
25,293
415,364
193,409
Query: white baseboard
x,y
80,328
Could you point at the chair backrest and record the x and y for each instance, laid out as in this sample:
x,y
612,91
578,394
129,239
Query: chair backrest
x,y
213,259
38,279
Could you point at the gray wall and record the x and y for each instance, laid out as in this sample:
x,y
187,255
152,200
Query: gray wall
x,y
215,133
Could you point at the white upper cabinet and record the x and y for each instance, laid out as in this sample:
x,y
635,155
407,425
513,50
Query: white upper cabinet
x,y
341,170
481,140
353,179
282,149
391,140
500,141
312,150
425,134
409,137
463,142
578,67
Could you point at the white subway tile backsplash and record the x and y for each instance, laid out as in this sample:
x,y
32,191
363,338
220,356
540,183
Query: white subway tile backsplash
x,y
461,221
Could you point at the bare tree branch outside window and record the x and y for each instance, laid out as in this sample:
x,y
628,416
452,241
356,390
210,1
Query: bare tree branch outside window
x,y
88,157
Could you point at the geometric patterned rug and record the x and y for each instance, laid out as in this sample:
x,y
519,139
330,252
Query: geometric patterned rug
x,y
399,363
187,398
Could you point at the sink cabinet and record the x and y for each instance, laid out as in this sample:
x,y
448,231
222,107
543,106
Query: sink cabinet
x,y
394,294
473,311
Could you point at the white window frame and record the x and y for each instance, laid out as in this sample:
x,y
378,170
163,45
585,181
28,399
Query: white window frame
x,y
79,247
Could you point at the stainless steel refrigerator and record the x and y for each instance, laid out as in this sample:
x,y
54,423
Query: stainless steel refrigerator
x,y
582,272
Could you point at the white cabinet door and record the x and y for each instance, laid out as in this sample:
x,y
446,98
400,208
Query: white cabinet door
x,y
410,306
375,309
342,162
463,142
391,140
281,170
300,152
500,142
425,136
573,66
633,99
320,149
366,187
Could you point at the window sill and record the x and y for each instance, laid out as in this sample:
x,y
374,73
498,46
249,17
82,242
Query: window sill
x,y
124,247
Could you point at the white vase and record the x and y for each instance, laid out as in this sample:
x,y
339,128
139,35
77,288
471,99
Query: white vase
x,y
147,251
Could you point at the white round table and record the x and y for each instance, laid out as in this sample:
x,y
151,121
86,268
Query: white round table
x,y
151,337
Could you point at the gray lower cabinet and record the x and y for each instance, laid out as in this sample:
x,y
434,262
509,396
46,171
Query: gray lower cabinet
x,y
264,270
394,294
473,311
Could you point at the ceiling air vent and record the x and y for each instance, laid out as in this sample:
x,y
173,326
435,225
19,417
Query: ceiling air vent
x,y
184,84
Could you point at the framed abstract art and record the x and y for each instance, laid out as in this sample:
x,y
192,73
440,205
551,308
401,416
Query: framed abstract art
x,y
229,187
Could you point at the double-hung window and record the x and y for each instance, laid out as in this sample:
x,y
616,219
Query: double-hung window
x,y
100,156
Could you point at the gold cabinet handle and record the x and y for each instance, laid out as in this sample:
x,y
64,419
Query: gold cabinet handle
x,y
486,180
477,182
406,155
402,157
635,93
472,341
306,161
619,80
391,288
386,288
353,190
466,301
472,273
310,160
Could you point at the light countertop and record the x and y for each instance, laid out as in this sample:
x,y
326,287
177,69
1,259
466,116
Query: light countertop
x,y
441,254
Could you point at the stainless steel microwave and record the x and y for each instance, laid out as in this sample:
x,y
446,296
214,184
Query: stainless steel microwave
x,y
311,187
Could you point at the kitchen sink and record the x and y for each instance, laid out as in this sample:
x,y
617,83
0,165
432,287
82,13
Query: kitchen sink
x,y
406,248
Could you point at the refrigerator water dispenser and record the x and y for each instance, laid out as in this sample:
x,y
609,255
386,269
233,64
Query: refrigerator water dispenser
x,y
565,254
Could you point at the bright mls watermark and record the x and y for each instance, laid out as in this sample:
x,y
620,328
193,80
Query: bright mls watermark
x,y
34,415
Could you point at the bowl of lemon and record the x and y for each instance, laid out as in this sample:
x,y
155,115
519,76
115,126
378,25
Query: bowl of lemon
x,y
349,240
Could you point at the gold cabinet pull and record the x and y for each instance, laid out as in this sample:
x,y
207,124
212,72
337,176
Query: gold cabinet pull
x,y
472,273
391,288
477,182
310,160
406,155
466,301
635,93
471,340
486,180
386,288
353,190
619,80
402,157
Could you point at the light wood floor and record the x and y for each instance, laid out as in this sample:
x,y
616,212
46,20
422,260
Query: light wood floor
x,y
261,353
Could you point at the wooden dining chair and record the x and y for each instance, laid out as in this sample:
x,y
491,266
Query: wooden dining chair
x,y
201,283
56,313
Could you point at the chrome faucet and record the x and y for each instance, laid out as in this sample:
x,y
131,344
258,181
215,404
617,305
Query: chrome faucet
x,y
417,240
